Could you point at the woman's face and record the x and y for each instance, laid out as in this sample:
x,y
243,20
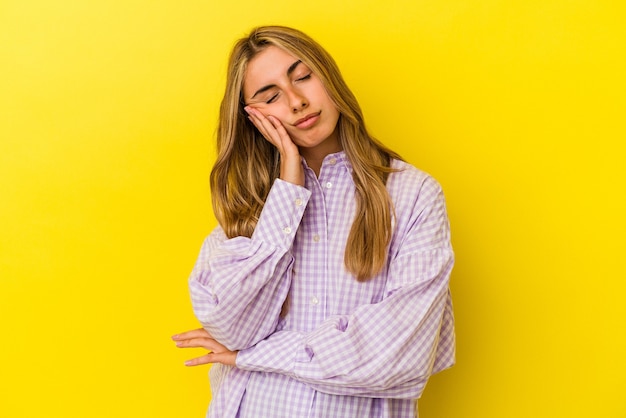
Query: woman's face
x,y
279,84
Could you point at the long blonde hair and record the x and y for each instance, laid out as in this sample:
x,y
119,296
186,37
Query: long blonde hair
x,y
247,164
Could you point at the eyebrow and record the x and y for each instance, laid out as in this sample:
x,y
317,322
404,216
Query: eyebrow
x,y
290,70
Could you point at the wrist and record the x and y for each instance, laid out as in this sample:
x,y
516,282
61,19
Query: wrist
x,y
291,170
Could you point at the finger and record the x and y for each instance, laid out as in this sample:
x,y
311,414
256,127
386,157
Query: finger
x,y
206,343
266,126
285,140
274,131
229,358
256,117
206,359
195,333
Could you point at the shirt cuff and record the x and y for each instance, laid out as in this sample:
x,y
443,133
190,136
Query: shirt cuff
x,y
278,353
281,214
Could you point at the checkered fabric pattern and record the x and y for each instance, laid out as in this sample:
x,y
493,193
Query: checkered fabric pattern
x,y
343,348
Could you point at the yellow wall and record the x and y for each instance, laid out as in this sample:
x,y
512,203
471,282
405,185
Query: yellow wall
x,y
107,111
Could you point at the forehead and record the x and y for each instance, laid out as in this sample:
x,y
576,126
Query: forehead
x,y
267,67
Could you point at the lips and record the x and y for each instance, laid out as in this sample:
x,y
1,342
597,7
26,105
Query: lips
x,y
308,120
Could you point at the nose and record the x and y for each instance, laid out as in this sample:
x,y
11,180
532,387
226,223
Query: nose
x,y
297,101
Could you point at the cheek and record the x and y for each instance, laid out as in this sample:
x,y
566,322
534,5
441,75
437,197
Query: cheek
x,y
321,94
275,111
283,121
278,110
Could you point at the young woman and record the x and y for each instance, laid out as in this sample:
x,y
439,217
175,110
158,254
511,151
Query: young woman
x,y
324,290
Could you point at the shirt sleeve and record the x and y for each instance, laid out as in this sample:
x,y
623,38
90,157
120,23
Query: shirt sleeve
x,y
238,285
383,350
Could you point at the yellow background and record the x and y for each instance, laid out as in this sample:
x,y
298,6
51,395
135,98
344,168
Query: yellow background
x,y
107,115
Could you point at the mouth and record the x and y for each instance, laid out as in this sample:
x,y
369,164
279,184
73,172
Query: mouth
x,y
308,120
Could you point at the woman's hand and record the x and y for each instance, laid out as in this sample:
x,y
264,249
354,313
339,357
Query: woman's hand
x,y
202,339
274,132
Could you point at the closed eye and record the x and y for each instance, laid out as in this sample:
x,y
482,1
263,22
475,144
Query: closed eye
x,y
272,99
306,77
275,96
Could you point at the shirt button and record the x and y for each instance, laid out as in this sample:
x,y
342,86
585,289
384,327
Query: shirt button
x,y
316,238
314,301
286,230
329,185
298,202
333,161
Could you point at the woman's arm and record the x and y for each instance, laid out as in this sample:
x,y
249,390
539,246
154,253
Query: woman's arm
x,y
388,349
238,285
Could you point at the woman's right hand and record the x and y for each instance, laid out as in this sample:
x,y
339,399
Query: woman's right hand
x,y
273,131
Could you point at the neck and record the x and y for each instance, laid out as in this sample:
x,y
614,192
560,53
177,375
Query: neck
x,y
315,156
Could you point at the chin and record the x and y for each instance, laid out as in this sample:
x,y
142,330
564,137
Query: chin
x,y
308,142
314,139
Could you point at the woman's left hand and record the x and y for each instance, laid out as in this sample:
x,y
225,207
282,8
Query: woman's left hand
x,y
199,338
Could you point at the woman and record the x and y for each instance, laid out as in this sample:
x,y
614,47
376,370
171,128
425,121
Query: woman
x,y
324,290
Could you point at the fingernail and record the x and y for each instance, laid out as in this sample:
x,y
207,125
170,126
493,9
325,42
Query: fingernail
x,y
188,363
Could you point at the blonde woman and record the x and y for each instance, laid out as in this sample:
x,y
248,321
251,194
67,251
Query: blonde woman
x,y
324,292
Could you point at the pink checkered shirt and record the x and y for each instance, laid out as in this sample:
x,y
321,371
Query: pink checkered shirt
x,y
344,348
